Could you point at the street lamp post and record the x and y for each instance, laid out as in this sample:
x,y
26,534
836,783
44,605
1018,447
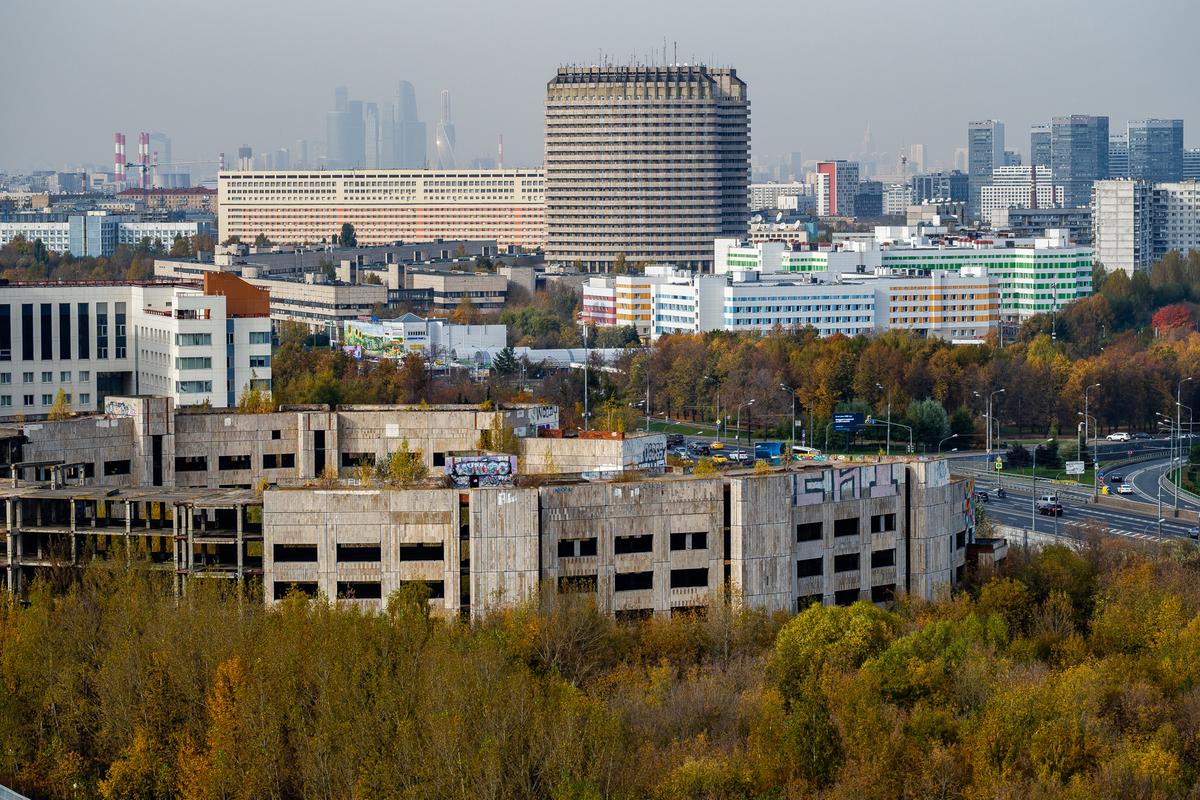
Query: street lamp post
x,y
889,418
1033,497
1095,469
738,434
990,419
792,435
1178,435
943,441
586,421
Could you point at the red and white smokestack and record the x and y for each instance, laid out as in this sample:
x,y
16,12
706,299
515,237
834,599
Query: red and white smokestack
x,y
119,158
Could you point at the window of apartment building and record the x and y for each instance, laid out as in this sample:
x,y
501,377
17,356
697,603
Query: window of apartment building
x,y
47,331
359,590
27,331
283,588
279,460
884,593
260,362
85,398
84,376
64,376
809,532
295,553
643,543
47,399
846,562
260,337
845,527
421,551
276,434
83,332
119,467
5,378
633,581
6,400
235,462
810,567
359,552
960,540
190,387
193,362
193,339
101,330
882,523
47,376
5,332
883,558
191,463
576,583
64,331
846,597
689,541
27,399
689,578
576,548
27,377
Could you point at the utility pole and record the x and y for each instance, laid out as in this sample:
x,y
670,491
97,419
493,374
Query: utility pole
x,y
1095,467
879,386
586,420
792,435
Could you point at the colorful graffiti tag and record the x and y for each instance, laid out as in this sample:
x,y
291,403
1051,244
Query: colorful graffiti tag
x,y
485,470
845,483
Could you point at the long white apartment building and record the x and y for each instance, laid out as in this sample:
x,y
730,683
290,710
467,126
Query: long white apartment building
x,y
1135,223
385,206
1014,187
195,345
625,300
1176,217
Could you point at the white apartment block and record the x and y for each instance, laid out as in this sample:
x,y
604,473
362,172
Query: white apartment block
x,y
767,195
96,340
1013,187
1122,223
897,197
385,206
1176,217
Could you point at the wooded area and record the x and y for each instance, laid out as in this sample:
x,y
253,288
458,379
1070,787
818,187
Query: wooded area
x,y
1075,675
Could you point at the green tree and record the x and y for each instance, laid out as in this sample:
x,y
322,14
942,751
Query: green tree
x,y
505,362
405,467
928,420
261,240
181,246
61,408
347,237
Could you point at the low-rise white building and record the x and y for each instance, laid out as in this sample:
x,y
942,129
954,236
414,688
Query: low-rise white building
x,y
197,346
434,338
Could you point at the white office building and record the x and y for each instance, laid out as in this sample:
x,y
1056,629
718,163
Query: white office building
x,y
764,196
1014,187
197,346
1122,224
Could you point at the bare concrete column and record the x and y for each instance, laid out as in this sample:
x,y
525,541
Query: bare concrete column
x,y
129,504
14,550
177,578
11,520
240,539
74,535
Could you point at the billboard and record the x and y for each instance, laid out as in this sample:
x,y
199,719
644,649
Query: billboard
x,y
847,421
372,340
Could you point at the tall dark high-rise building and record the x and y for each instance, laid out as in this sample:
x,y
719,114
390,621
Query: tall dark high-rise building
x,y
446,139
345,133
985,152
649,163
411,140
1078,156
946,186
1156,150
1039,145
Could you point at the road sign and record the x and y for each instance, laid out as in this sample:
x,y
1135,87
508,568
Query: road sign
x,y
999,464
1074,467
848,422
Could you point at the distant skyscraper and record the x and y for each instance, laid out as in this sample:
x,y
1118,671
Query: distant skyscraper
x,y
1078,155
945,186
300,154
411,141
387,136
245,158
916,158
1156,150
283,159
960,159
445,135
1118,156
655,172
837,188
1191,164
985,152
371,140
1012,158
345,135
1039,145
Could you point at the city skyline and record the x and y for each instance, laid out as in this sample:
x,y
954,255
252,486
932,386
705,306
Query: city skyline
x,y
269,113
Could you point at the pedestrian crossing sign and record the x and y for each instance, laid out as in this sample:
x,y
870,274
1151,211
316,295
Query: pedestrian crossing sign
x,y
999,464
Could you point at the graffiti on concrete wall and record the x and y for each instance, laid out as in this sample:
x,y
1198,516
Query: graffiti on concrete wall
x,y
845,483
119,408
489,470
543,416
653,455
968,507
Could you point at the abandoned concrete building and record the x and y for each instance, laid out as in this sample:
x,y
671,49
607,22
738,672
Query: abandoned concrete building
x,y
180,490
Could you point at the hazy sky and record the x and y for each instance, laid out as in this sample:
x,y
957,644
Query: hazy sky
x,y
221,73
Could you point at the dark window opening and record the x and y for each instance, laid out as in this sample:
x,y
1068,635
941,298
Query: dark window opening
x,y
883,558
846,597
439,459
960,540
276,435
959,572
191,463
421,552
810,567
634,614
633,581
633,544
436,589
576,548
357,459
883,594
359,590
64,330
845,527
576,583
47,331
810,532
227,463
697,540
279,460
27,331
359,552
689,578
296,553
84,331
808,600
882,523
846,562
120,467
284,588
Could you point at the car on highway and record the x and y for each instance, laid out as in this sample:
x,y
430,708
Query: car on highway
x,y
1116,478
981,495
1142,436
1119,436
739,455
720,458
1049,505
1124,488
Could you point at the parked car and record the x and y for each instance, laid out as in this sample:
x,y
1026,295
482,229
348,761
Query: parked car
x,y
1124,488
1116,477
1194,533
1119,436
1049,505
